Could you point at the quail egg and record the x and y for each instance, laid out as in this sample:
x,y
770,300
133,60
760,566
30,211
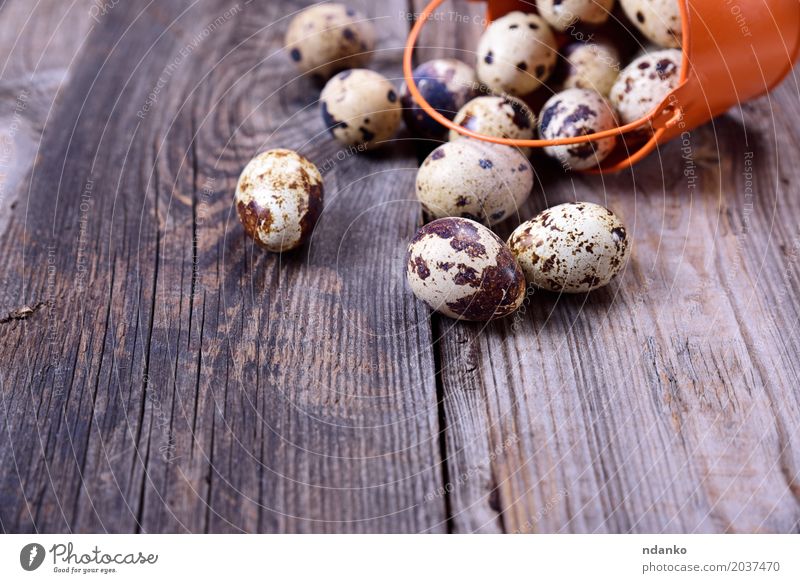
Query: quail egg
x,y
645,83
574,247
498,116
279,199
516,53
573,113
447,84
473,179
658,20
592,66
563,14
463,270
327,38
360,107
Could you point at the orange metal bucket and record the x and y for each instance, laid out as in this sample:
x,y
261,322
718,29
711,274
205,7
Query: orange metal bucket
x,y
732,52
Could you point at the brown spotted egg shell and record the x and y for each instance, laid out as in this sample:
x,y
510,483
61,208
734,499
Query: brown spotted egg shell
x,y
645,83
360,107
572,247
474,179
464,271
594,65
516,53
573,113
497,116
563,14
279,199
658,20
329,37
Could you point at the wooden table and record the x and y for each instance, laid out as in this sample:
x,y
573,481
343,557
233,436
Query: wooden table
x,y
160,374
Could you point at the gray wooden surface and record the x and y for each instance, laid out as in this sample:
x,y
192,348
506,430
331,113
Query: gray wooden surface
x,y
160,374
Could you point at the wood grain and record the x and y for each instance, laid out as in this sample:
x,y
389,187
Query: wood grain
x,y
667,402
173,378
36,56
160,374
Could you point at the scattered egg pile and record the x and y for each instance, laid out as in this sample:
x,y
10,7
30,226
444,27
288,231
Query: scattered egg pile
x,y
455,263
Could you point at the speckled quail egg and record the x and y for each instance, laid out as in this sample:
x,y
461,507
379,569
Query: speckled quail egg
x,y
463,270
360,107
327,38
645,83
562,14
498,116
574,247
474,179
516,53
658,20
279,199
592,66
447,84
573,113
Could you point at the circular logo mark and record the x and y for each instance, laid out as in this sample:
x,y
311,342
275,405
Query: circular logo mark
x,y
31,556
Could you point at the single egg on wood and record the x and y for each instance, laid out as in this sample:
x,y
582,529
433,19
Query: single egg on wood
x,y
516,53
573,113
474,179
279,199
329,37
645,83
574,247
446,84
360,107
499,116
464,271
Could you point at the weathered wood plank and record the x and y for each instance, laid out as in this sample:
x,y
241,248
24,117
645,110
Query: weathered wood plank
x,y
667,402
161,374
174,378
469,488
38,44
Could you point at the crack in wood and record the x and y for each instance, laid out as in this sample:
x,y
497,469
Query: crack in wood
x,y
22,313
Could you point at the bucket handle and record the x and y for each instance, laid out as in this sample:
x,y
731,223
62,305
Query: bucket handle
x,y
661,117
